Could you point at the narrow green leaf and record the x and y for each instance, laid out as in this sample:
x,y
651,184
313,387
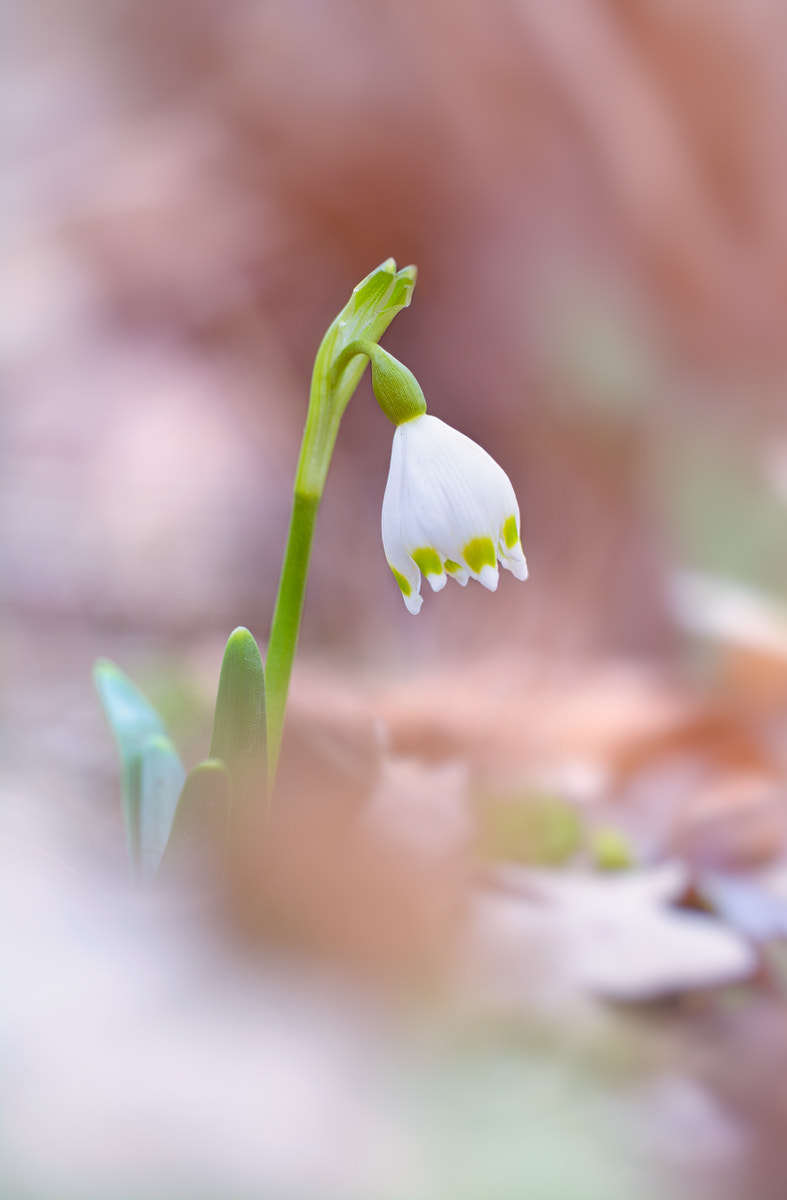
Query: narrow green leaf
x,y
132,717
134,722
199,830
161,778
239,730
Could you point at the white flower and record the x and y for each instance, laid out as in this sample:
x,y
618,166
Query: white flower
x,y
448,509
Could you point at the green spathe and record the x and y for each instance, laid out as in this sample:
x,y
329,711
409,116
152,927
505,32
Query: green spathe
x,y
340,364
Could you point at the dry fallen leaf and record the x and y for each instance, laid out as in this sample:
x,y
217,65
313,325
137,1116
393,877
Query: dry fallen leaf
x,y
614,936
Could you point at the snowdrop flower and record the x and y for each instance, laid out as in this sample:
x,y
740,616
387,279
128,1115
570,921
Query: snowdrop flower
x,y
449,509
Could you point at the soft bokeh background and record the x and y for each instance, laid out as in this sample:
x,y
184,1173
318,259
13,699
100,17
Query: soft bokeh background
x,y
595,194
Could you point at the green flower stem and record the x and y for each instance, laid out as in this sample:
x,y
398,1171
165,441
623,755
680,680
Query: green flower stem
x,y
287,620
337,372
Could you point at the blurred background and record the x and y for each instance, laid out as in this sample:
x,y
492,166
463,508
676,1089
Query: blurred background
x,y
595,195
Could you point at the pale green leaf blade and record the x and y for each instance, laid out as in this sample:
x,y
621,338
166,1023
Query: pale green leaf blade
x,y
161,779
132,717
200,828
133,720
239,729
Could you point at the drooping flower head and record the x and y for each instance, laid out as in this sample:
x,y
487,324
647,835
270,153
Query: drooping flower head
x,y
449,509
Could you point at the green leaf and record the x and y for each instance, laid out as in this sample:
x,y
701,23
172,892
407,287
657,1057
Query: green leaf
x,y
199,831
239,730
141,736
161,778
132,717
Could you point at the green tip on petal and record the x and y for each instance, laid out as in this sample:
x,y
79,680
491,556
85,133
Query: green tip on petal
x,y
403,584
480,553
451,567
428,560
510,532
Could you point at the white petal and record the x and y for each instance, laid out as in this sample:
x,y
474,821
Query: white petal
x,y
413,602
444,492
460,575
392,504
452,490
488,577
513,560
398,558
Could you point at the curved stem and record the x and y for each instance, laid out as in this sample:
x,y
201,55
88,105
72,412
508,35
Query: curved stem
x,y
287,619
327,403
338,368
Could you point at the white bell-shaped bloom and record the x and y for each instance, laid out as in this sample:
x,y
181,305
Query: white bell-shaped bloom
x,y
449,509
